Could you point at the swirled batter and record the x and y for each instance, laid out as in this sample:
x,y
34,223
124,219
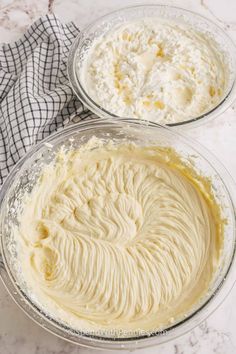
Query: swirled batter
x,y
158,70
119,237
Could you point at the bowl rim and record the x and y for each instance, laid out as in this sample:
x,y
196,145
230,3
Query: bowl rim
x,y
224,286
226,101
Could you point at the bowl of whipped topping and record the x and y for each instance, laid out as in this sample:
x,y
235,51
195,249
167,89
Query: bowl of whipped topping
x,y
118,234
157,62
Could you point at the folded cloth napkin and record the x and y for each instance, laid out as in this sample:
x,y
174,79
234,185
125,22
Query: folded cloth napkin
x,y
35,96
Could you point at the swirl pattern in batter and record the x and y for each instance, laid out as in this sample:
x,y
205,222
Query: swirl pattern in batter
x,y
119,237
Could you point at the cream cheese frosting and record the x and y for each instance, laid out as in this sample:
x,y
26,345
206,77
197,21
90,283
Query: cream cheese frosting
x,y
119,237
153,69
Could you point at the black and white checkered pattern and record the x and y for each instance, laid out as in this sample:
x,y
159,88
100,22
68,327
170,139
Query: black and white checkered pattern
x,y
35,96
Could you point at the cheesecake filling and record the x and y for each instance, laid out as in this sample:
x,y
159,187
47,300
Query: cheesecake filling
x,y
119,237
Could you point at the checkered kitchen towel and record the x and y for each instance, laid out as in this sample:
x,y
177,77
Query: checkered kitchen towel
x,y
35,96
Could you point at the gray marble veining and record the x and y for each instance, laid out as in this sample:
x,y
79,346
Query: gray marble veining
x,y
217,335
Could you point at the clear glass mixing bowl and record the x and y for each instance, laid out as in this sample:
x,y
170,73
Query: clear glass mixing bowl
x,y
101,26
24,176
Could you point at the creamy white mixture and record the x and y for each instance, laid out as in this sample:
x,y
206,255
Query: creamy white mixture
x,y
120,237
160,71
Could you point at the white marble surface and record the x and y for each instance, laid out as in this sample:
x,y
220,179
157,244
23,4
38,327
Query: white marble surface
x,y
18,334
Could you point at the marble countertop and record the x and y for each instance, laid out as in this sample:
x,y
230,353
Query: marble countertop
x,y
18,334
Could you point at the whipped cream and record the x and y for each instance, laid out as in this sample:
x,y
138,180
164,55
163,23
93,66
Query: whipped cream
x,y
156,70
119,237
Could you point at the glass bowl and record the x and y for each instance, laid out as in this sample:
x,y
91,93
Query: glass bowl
x,y
101,26
26,173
